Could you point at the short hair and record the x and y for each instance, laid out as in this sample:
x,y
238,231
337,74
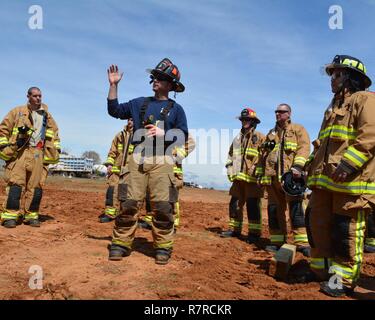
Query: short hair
x,y
287,105
31,90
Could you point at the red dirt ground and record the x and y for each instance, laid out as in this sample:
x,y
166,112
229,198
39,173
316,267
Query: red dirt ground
x,y
71,247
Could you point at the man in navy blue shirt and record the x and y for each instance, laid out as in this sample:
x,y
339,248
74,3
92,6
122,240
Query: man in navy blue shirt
x,y
159,123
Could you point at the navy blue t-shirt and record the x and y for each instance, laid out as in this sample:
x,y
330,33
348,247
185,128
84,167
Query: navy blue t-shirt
x,y
176,119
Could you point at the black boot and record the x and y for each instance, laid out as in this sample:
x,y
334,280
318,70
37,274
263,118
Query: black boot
x,y
10,223
162,256
335,292
104,218
230,234
116,252
32,223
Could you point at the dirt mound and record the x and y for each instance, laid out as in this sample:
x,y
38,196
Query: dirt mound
x,y
71,249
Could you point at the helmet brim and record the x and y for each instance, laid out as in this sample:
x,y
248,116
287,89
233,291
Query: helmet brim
x,y
331,66
178,86
248,118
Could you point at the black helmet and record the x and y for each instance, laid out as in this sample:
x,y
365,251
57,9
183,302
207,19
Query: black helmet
x,y
293,186
166,68
351,63
248,113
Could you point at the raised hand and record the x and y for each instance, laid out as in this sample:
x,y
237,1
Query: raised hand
x,y
114,76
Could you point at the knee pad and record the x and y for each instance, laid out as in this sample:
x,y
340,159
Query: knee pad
x,y
308,227
253,209
14,197
163,218
296,213
341,235
129,207
273,222
109,196
233,207
37,198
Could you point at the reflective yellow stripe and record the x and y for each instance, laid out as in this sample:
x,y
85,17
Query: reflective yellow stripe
x,y
337,131
231,177
115,169
300,161
266,180
277,238
255,226
370,241
3,140
120,147
50,160
355,64
109,211
229,162
301,238
50,133
148,218
238,151
233,223
110,160
252,152
4,157
9,215
131,149
181,152
318,263
164,245
355,156
127,244
259,171
31,215
15,131
288,145
57,144
244,177
355,188
177,170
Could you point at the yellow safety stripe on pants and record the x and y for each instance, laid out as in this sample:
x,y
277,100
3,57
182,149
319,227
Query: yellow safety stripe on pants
x,y
120,147
118,242
277,238
301,238
131,149
148,218
337,131
370,241
49,133
236,224
352,274
299,161
255,226
266,180
177,170
31,215
252,152
355,156
9,215
176,214
164,245
181,152
50,160
3,140
259,171
319,263
288,145
110,161
57,144
110,211
4,157
116,169
355,188
245,177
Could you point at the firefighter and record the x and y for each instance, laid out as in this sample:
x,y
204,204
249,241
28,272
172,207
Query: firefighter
x,y
179,154
286,148
241,165
159,125
28,143
114,163
341,175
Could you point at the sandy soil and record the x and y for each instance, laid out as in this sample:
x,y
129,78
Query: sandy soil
x,y
71,249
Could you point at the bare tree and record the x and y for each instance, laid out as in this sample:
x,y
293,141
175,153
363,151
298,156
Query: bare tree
x,y
92,155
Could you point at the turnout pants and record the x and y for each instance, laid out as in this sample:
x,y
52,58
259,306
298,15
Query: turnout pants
x,y
278,202
24,177
158,177
249,194
111,198
336,224
370,236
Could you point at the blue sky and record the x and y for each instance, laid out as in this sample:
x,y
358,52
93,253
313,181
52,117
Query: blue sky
x,y
231,54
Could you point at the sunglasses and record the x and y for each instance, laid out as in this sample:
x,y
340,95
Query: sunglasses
x,y
160,78
281,111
